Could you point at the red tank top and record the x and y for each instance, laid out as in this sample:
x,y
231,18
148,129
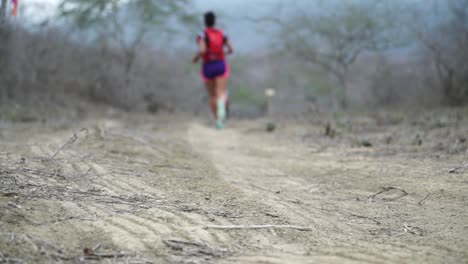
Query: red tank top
x,y
215,40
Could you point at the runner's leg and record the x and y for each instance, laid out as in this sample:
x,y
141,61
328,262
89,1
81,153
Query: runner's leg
x,y
226,75
210,88
220,86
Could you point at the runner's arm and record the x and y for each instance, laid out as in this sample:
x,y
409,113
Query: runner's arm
x,y
196,57
201,50
230,50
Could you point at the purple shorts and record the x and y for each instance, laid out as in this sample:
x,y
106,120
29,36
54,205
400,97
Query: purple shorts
x,y
215,69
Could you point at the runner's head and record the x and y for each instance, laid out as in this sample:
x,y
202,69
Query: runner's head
x,y
210,19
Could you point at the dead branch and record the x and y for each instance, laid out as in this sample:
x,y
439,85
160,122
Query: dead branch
x,y
44,244
400,234
458,169
5,259
412,230
112,255
178,244
9,194
272,215
193,248
95,248
86,173
233,227
90,255
377,222
423,199
66,219
386,189
41,172
415,230
172,167
38,244
69,142
14,205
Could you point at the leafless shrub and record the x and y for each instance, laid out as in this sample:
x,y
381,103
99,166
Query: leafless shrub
x,y
46,64
446,44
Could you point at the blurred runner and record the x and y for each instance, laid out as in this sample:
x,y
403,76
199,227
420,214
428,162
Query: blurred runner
x,y
215,69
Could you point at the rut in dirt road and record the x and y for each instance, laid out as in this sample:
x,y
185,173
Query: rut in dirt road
x,y
319,190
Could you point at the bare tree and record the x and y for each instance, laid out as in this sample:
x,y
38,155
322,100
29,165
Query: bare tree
x,y
4,43
446,43
335,40
124,29
127,24
3,8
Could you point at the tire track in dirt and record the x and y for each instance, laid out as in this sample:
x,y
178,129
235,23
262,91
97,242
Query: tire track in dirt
x,y
224,149
110,181
240,165
128,231
122,224
247,172
120,184
133,226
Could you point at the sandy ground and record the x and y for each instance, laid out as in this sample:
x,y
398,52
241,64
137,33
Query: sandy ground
x,y
134,188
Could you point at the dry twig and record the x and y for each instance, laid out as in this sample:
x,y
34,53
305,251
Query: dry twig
x,y
301,228
86,173
5,259
412,230
423,199
178,244
377,222
172,167
95,248
386,189
43,246
272,215
458,169
193,248
69,142
100,256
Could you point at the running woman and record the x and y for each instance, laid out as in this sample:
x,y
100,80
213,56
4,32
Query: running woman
x,y
215,69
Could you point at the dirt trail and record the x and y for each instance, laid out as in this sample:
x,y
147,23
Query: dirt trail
x,y
150,187
329,192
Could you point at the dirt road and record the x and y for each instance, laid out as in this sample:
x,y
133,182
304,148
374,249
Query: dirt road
x,y
132,188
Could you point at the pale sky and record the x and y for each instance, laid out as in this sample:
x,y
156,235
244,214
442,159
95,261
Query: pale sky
x,y
228,11
46,7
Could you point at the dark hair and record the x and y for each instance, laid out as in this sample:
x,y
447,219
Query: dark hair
x,y
210,19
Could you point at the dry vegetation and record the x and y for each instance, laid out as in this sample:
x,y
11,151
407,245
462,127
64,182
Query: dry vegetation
x,y
46,66
425,67
87,175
